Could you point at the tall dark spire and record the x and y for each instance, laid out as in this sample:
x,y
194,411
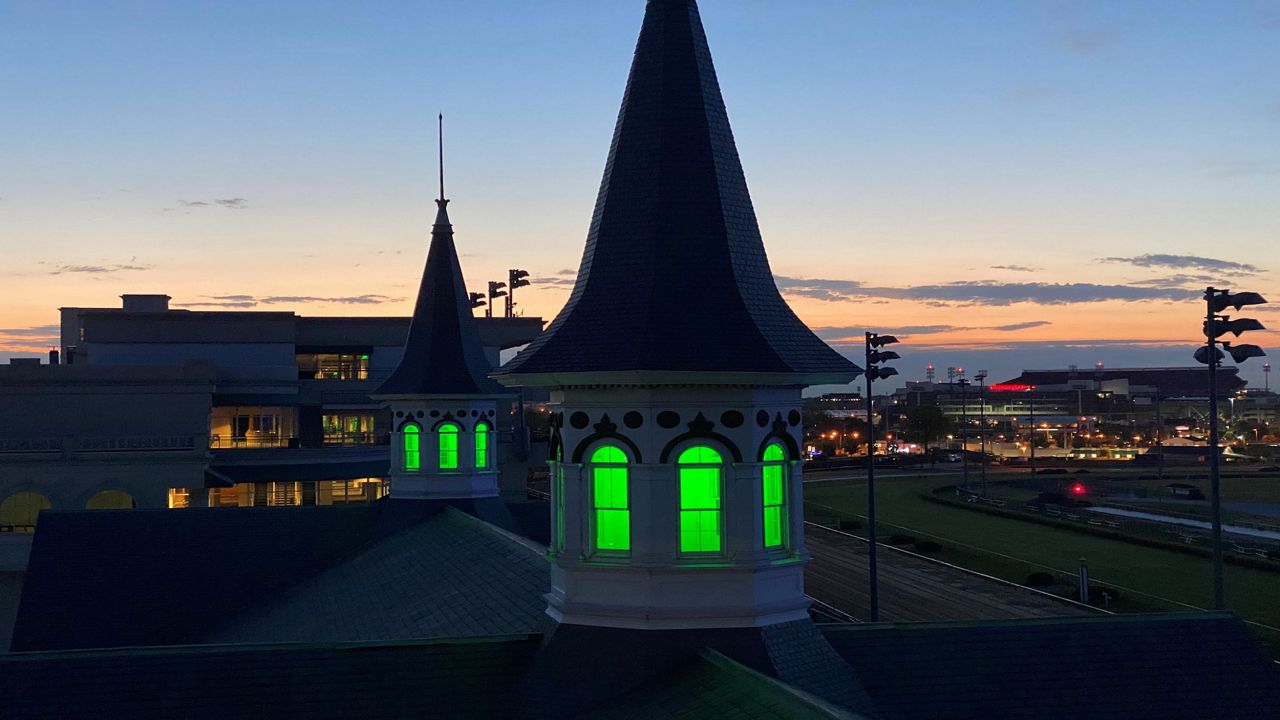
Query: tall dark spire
x,y
442,355
674,276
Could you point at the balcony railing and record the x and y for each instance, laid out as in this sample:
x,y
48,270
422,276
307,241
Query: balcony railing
x,y
218,442
131,443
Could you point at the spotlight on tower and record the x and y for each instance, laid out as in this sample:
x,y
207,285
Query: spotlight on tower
x,y
515,279
495,292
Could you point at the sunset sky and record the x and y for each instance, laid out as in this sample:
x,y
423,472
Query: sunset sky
x,y
1002,184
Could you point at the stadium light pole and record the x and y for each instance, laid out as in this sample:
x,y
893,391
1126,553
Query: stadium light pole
x,y
964,429
874,356
1215,325
982,427
1031,392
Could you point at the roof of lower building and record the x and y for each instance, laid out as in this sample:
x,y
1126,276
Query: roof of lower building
x,y
674,277
442,355
171,577
1168,382
1177,665
448,576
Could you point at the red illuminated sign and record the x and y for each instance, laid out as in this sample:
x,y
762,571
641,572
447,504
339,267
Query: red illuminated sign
x,y
1011,387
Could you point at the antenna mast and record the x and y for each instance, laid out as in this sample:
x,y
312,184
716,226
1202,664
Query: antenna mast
x,y
441,124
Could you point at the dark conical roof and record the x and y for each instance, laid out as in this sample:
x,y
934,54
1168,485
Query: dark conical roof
x,y
674,277
442,355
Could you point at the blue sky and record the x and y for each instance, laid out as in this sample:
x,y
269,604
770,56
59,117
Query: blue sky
x,y
1038,154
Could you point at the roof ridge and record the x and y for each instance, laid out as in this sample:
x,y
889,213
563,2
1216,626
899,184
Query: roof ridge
x,y
727,664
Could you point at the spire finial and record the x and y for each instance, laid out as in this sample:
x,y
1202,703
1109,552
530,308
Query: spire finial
x,y
441,128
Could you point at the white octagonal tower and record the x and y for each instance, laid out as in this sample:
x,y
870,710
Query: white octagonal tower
x,y
675,370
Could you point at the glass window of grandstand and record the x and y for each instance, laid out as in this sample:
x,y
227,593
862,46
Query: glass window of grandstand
x,y
611,506
774,493
19,511
348,428
333,365
699,471
253,427
447,442
285,494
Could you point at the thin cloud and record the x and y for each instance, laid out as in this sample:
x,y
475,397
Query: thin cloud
x,y
1185,262
1016,268
250,301
853,335
97,269
979,292
30,339
236,203
193,203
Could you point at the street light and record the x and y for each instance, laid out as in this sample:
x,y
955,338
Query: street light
x,y
1215,325
874,356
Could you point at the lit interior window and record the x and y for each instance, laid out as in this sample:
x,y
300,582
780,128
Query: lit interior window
x,y
448,434
775,473
412,447
609,496
699,472
482,445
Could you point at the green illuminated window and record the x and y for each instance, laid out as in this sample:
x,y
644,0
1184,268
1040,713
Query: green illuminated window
x,y
412,447
558,493
482,446
699,472
609,499
775,473
448,435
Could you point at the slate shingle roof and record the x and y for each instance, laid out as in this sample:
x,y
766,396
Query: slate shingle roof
x,y
674,276
440,679
713,686
451,575
1158,667
391,570
442,355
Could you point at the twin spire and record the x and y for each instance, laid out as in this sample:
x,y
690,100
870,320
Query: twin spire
x,y
442,354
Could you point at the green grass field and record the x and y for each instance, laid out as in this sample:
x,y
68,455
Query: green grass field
x,y
1147,578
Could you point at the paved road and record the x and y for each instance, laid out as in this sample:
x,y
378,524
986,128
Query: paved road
x,y
914,588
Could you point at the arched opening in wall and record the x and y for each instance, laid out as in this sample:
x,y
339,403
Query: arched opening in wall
x,y
610,500
411,436
482,445
447,442
111,500
18,512
774,493
700,469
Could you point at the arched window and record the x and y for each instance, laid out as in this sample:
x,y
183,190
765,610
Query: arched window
x,y
482,445
412,435
775,494
699,469
111,500
610,499
448,436
18,511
